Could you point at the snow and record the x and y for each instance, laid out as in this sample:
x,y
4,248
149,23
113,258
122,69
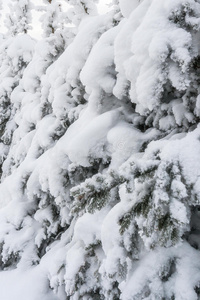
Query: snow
x,y
124,140
29,284
127,6
152,262
82,139
95,73
100,154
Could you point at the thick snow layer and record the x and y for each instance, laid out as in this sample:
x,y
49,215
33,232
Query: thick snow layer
x,y
97,72
127,6
101,153
29,284
22,46
124,140
82,139
149,268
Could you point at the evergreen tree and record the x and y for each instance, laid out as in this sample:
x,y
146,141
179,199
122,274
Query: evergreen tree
x,y
15,54
19,18
81,9
42,99
101,179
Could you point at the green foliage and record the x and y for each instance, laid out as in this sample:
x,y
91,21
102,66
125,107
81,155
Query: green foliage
x,y
95,193
97,201
125,221
167,270
185,16
89,271
155,189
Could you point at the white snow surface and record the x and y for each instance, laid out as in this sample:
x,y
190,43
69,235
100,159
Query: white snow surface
x,y
29,284
127,6
72,110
